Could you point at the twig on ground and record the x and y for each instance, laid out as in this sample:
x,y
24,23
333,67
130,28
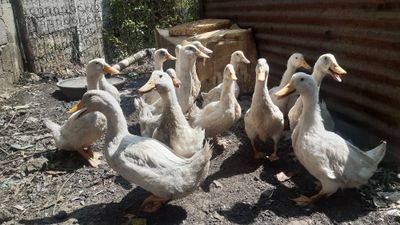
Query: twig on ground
x,y
23,121
3,150
2,163
59,192
9,122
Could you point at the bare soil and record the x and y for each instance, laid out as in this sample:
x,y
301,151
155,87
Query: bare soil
x,y
41,185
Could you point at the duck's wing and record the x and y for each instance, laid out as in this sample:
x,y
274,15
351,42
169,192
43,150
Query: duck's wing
x,y
148,153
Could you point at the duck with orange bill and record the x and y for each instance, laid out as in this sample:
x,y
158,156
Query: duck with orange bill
x,y
263,120
79,133
173,129
219,116
335,162
326,64
144,161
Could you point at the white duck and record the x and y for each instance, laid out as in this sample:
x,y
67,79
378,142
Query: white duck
x,y
186,73
295,61
328,157
103,84
326,64
160,56
219,116
237,57
263,119
173,128
149,115
146,161
79,133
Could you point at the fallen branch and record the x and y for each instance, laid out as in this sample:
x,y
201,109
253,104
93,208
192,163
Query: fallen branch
x,y
59,192
133,58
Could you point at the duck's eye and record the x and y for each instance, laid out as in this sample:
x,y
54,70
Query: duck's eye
x,y
296,58
325,58
302,79
160,76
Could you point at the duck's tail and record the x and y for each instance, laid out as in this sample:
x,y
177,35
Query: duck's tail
x,y
138,102
377,153
55,128
200,161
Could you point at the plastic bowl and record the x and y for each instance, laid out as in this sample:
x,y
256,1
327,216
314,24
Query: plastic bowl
x,y
74,88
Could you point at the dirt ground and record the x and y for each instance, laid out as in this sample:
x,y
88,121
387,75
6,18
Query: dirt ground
x,y
40,185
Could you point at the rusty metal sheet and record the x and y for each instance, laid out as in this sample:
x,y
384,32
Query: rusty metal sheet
x,y
363,35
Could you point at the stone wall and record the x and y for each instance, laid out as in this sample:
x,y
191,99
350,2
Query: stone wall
x,y
10,55
57,35
48,36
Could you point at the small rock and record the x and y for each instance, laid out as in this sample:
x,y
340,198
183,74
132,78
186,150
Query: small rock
x,y
31,120
61,215
5,95
5,215
32,77
217,216
40,162
19,207
30,169
393,212
217,184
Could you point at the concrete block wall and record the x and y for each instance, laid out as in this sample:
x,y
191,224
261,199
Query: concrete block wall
x,y
58,35
10,56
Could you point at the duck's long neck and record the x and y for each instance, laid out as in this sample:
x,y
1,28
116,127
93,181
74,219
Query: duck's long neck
x,y
310,118
235,64
185,73
287,75
158,65
117,128
318,75
260,92
171,106
228,92
92,80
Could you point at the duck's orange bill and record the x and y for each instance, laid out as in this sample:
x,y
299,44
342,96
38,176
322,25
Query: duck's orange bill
x,y
76,107
150,85
285,91
305,65
170,57
111,70
177,83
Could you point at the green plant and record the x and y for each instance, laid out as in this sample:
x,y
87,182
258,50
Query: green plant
x,y
130,24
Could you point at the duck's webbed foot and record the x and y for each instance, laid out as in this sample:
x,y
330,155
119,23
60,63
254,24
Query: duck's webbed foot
x,y
91,157
153,204
304,200
257,154
273,157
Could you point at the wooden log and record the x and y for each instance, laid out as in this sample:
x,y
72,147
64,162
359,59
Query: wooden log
x,y
147,52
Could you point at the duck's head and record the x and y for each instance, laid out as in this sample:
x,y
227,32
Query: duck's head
x,y
301,83
262,69
99,66
163,55
229,73
94,100
201,47
297,60
328,65
160,81
238,57
191,51
175,80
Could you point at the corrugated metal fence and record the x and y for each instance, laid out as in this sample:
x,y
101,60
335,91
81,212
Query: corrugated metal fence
x,y
363,35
